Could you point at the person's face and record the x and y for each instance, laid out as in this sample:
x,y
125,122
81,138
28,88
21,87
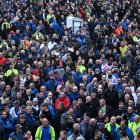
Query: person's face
x,y
86,120
106,120
80,101
16,78
4,115
130,110
28,71
89,71
127,97
113,120
71,79
22,120
50,96
70,120
62,95
130,103
62,136
77,128
7,101
45,107
127,90
90,61
52,77
81,92
121,106
103,77
119,80
110,86
43,89
29,135
77,70
75,89
41,95
102,102
122,125
60,107
29,110
84,78
93,95
31,86
88,99
35,103
19,130
45,122
19,95
28,93
100,113
94,80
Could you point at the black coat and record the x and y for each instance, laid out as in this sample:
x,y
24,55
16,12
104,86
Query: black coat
x,y
35,126
2,133
119,112
88,109
47,115
90,133
111,98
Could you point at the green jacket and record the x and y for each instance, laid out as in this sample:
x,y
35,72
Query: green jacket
x,y
38,135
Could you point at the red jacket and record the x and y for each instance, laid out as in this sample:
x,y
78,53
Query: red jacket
x,y
2,60
64,100
83,14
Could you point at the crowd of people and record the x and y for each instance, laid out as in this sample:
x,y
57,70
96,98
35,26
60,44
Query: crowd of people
x,y
57,84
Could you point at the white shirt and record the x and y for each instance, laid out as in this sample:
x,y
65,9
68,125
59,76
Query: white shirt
x,y
13,113
51,45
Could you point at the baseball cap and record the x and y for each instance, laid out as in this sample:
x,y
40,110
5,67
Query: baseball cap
x,y
18,126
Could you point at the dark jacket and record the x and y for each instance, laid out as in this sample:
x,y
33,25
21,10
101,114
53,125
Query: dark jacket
x,y
2,137
7,126
128,131
111,98
77,78
16,136
90,133
51,85
35,126
88,109
30,120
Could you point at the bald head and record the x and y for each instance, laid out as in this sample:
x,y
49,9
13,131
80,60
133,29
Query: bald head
x,y
113,120
88,99
92,122
76,126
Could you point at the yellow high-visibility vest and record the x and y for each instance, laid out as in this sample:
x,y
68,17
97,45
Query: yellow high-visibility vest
x,y
10,72
108,126
7,25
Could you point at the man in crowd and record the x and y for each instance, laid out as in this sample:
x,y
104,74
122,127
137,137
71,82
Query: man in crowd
x,y
62,75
